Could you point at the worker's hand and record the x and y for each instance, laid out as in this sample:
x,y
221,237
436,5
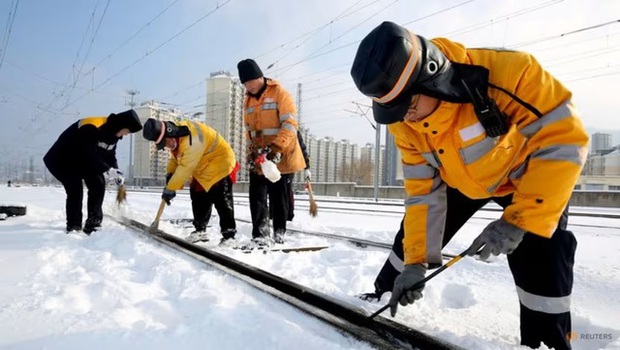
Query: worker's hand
x,y
275,157
401,292
116,176
307,174
499,237
261,156
168,195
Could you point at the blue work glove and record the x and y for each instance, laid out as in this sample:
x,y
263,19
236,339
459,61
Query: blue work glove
x,y
168,195
499,237
401,292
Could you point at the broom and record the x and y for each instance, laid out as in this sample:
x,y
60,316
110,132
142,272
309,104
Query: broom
x,y
314,209
154,228
121,195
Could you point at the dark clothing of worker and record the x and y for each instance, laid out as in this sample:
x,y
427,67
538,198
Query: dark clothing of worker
x,y
83,153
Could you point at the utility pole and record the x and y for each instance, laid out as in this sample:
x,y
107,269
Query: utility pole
x,y
298,176
31,171
299,103
131,104
363,110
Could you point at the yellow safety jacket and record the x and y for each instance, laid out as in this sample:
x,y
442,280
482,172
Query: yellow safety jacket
x,y
203,155
271,121
538,160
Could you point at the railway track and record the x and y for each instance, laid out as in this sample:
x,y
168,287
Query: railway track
x,y
358,242
326,204
395,213
363,243
379,331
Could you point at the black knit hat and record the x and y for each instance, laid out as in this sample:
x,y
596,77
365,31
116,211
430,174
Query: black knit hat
x,y
155,130
392,64
127,119
248,70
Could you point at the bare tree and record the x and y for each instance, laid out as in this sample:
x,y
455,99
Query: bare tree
x,y
359,172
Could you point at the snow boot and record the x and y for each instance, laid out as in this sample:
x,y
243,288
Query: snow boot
x,y
91,225
278,236
73,228
228,236
198,236
262,242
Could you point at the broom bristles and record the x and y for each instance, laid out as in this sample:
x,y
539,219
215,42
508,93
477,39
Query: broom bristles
x,y
121,195
314,208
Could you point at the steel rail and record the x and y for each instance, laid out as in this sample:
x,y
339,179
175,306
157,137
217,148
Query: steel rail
x,y
379,331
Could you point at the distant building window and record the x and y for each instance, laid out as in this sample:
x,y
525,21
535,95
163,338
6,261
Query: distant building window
x,y
595,187
577,187
614,188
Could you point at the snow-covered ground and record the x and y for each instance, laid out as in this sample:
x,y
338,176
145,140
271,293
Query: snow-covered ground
x,y
116,290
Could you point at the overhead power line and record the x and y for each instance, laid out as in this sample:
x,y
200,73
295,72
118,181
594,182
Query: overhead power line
x,y
8,30
314,54
313,32
501,18
108,56
74,76
563,35
90,46
284,70
436,13
592,77
149,52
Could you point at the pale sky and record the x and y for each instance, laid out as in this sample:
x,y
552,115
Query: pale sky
x,y
65,60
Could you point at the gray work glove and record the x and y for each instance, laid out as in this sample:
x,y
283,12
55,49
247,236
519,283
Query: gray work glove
x,y
411,275
307,175
499,237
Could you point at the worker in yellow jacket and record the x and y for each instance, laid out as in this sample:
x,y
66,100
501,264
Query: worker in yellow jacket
x,y
271,131
475,125
200,154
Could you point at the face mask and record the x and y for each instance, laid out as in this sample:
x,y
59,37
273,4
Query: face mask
x,y
175,145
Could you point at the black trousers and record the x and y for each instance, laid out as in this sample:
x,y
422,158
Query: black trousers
x,y
71,180
220,195
291,205
542,269
279,200
291,196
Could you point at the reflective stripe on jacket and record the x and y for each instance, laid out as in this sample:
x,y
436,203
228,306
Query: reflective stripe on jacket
x,y
538,160
271,121
204,155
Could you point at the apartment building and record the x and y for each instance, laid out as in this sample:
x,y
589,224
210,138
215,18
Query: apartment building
x,y
149,164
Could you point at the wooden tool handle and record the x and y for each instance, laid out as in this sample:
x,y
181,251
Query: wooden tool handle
x,y
160,210
310,189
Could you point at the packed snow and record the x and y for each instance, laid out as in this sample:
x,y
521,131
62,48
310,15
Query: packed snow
x,y
118,290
